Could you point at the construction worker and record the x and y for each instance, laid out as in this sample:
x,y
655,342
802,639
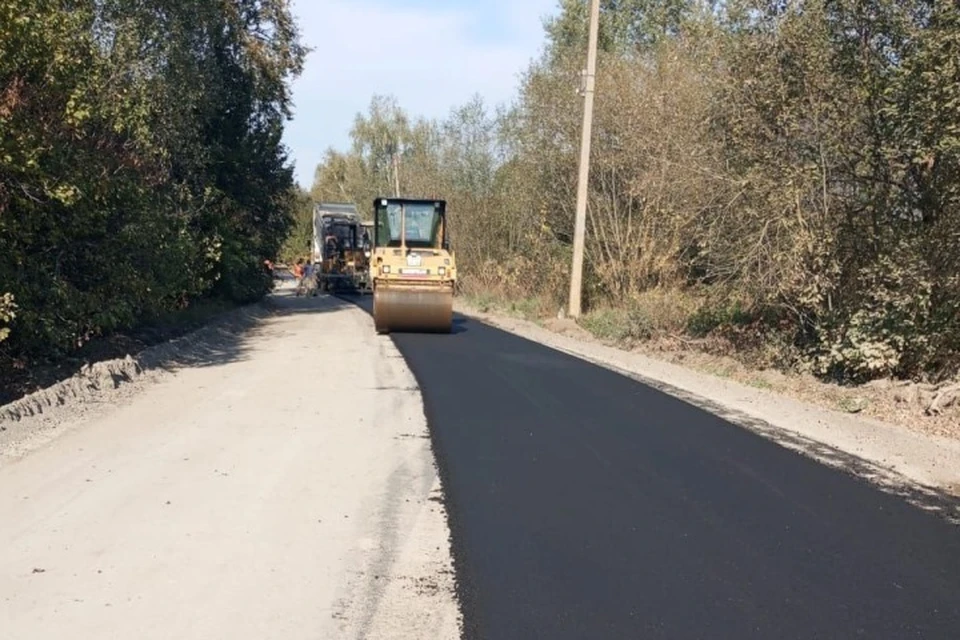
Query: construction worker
x,y
298,275
308,285
333,246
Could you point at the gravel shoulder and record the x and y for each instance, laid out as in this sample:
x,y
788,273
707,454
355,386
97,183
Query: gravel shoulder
x,y
924,468
267,477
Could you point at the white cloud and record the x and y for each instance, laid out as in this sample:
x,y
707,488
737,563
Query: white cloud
x,y
431,59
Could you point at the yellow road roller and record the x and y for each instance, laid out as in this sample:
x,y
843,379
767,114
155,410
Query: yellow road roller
x,y
412,267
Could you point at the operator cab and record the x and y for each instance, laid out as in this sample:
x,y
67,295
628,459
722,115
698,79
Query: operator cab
x,y
410,223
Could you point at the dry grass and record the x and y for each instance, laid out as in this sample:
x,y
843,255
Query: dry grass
x,y
652,314
503,297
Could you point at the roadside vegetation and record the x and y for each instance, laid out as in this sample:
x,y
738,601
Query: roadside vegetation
x,y
778,181
297,242
141,165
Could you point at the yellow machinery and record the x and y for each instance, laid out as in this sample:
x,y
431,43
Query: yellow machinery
x,y
412,267
341,256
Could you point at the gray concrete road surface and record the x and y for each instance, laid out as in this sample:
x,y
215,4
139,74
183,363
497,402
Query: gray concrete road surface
x,y
281,487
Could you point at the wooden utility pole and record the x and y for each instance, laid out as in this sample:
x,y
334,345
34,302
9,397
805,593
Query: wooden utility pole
x,y
396,174
580,223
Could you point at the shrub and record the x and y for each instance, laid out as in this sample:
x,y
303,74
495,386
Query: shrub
x,y
7,313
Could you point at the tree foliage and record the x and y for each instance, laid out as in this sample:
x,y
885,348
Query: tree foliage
x,y
299,239
140,159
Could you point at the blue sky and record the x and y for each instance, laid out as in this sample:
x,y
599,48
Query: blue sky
x,y
431,54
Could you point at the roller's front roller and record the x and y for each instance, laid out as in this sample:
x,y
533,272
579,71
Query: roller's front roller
x,y
413,309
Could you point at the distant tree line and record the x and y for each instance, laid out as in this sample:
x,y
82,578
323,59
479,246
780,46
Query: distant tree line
x,y
141,164
784,175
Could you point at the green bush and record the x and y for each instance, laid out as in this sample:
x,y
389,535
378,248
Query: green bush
x,y
891,332
711,317
7,313
135,180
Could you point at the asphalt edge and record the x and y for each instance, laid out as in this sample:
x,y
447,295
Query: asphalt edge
x,y
464,585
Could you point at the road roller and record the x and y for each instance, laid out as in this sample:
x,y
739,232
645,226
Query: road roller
x,y
412,266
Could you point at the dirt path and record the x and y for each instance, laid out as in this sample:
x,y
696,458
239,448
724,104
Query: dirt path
x,y
283,491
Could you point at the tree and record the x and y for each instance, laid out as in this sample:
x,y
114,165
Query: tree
x,y
141,164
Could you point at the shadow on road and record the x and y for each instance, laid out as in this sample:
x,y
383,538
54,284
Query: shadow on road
x,y
227,340
220,340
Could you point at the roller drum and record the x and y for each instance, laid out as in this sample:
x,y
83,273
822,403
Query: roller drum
x,y
400,308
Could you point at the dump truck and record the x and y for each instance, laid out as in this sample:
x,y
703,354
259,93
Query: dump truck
x,y
412,266
340,253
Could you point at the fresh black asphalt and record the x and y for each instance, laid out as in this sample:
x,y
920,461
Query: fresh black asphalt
x,y
584,504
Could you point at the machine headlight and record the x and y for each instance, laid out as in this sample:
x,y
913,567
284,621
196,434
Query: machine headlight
x,y
442,271
385,268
